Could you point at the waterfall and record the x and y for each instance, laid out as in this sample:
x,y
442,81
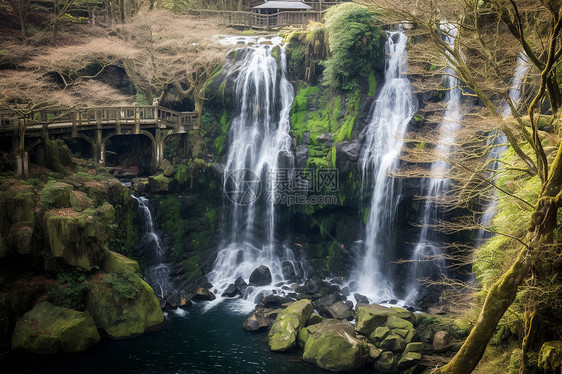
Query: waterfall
x,y
499,140
157,273
427,256
259,146
389,118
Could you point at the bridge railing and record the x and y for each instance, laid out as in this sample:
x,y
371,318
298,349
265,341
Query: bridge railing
x,y
261,21
84,117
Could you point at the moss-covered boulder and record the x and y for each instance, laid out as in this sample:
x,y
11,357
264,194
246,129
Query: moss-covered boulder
x,y
123,305
386,363
57,195
392,342
51,329
369,317
79,238
161,184
284,332
550,357
334,346
114,262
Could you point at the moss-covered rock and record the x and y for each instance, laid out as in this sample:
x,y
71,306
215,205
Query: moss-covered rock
x,y
114,262
386,363
51,329
550,357
334,346
123,314
56,195
408,360
161,184
392,342
369,317
284,332
379,334
79,238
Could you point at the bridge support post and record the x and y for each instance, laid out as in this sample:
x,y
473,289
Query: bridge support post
x,y
99,148
22,165
158,150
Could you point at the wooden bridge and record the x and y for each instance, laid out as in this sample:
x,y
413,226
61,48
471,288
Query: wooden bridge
x,y
96,125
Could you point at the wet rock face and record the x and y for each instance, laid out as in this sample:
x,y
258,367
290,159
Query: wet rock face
x,y
261,276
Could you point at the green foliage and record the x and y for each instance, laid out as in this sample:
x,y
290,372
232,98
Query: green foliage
x,y
141,99
171,148
72,296
72,290
126,285
48,196
182,174
356,45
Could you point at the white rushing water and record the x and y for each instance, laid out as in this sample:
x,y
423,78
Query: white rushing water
x,y
427,256
157,272
498,141
390,115
259,146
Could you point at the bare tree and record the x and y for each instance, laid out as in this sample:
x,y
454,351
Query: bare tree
x,y
491,33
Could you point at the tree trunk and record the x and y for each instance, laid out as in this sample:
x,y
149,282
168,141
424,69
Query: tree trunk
x,y
501,295
56,11
22,25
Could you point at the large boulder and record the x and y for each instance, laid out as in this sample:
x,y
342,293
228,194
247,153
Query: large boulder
x,y
550,357
334,346
114,262
337,310
123,305
161,184
386,363
51,329
284,332
369,317
256,322
441,341
261,276
80,238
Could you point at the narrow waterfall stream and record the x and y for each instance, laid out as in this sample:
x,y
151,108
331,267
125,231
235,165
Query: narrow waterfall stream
x,y
157,273
427,255
390,115
499,140
259,147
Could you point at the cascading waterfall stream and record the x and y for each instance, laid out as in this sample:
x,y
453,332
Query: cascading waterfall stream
x,y
427,256
499,141
157,273
390,115
259,146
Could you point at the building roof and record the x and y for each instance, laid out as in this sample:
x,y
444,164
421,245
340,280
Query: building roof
x,y
285,4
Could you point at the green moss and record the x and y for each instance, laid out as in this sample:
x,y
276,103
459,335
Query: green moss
x,y
356,46
191,267
48,329
120,316
372,83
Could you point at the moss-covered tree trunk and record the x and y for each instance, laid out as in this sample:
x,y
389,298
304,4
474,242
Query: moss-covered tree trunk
x,y
503,292
499,298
